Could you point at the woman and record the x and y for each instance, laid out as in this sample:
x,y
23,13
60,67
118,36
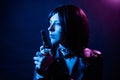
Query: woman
x,y
68,58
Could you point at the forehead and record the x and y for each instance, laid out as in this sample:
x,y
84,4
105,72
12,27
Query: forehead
x,y
55,17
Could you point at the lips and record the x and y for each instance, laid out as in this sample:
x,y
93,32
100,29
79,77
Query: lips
x,y
51,36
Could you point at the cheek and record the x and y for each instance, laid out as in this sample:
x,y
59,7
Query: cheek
x,y
58,36
58,33
56,39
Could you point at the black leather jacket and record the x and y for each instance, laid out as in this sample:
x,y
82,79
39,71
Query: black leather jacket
x,y
84,69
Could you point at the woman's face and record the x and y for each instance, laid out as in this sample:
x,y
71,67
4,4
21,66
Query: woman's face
x,y
55,29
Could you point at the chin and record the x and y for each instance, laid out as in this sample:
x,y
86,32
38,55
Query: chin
x,y
53,42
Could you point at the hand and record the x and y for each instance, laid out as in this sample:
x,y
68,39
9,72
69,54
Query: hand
x,y
40,56
88,53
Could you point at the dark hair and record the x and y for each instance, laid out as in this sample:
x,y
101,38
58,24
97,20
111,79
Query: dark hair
x,y
74,23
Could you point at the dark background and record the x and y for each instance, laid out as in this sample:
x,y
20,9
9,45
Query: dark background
x,y
22,20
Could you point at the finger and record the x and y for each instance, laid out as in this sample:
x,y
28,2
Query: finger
x,y
96,52
38,61
38,58
35,58
45,51
38,54
41,48
37,64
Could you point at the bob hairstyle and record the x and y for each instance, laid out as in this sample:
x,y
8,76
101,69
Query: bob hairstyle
x,y
74,23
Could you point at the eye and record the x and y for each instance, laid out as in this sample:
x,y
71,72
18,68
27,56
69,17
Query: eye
x,y
57,23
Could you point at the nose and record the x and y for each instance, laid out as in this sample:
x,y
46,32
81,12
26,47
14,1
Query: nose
x,y
51,28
